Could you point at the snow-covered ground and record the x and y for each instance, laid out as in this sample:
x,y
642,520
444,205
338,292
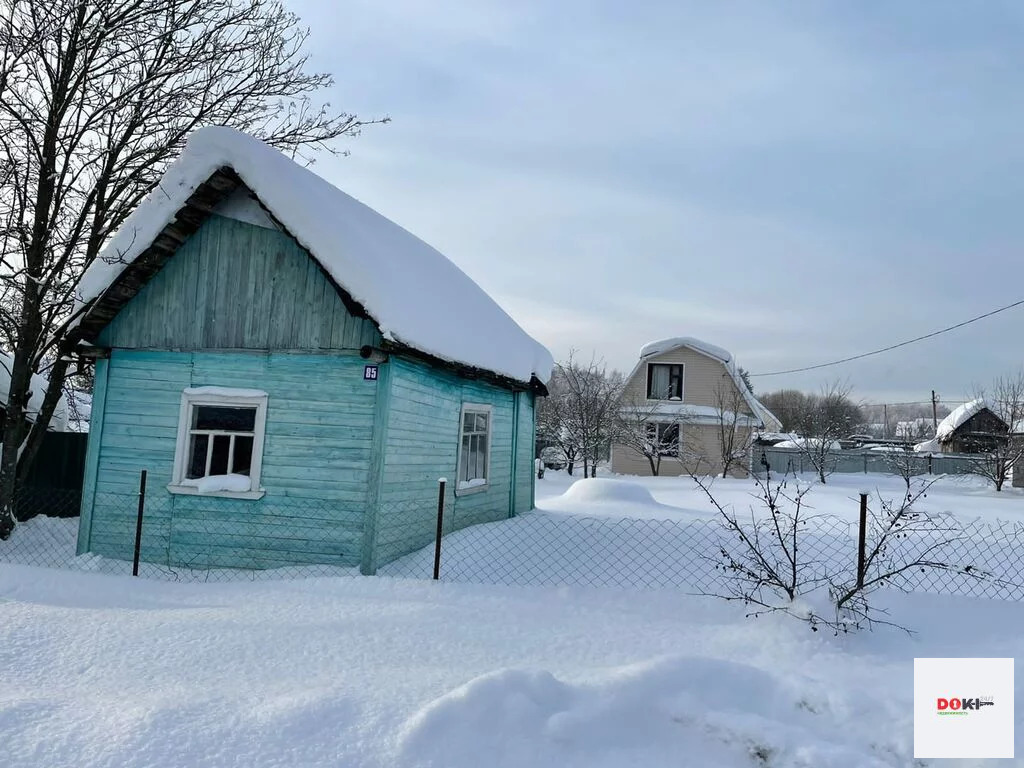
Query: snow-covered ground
x,y
967,497
105,670
110,671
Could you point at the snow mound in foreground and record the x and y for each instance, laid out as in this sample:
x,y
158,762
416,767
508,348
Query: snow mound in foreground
x,y
600,490
714,712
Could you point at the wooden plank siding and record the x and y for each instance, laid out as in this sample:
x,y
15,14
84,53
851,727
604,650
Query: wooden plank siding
x,y
422,445
315,463
525,474
234,285
702,375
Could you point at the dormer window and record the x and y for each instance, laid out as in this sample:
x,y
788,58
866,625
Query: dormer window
x,y
664,381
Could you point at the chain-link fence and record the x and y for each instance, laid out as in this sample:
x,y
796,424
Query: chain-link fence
x,y
976,558
204,538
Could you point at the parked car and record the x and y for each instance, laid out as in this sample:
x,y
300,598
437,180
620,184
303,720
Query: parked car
x,y
553,458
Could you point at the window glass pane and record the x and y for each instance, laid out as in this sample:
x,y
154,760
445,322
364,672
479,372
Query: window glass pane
x,y
476,469
197,456
481,422
224,418
467,422
243,455
219,462
675,382
482,458
464,459
659,382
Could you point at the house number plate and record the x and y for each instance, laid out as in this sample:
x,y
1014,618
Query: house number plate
x,y
370,373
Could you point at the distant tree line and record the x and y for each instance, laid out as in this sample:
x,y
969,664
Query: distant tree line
x,y
828,412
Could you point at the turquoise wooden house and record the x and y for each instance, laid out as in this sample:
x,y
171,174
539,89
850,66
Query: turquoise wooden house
x,y
295,372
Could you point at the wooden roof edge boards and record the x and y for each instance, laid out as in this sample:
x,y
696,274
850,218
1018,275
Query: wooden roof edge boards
x,y
186,221
535,385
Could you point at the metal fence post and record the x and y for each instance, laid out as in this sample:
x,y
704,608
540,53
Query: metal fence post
x,y
440,525
138,523
862,539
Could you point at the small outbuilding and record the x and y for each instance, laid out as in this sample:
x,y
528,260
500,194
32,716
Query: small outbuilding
x,y
973,427
295,372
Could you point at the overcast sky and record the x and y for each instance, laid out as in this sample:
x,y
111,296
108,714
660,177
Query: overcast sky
x,y
794,182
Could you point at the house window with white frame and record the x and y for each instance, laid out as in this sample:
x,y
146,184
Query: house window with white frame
x,y
664,381
220,442
474,448
664,437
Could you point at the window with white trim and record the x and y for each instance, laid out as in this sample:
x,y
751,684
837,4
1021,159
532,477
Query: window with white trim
x,y
665,381
474,447
663,437
220,442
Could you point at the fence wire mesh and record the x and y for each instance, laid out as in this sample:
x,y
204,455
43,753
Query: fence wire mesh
x,y
201,538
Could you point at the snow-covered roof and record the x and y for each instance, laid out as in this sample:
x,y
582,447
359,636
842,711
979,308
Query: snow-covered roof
x,y
809,443
654,348
928,446
958,417
416,296
59,420
667,345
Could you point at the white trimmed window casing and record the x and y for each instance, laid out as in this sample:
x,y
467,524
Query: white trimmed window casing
x,y
474,454
189,435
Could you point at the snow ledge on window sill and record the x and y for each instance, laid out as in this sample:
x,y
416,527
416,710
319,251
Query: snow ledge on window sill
x,y
465,490
191,490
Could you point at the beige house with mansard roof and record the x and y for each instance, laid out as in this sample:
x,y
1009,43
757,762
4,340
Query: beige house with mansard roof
x,y
683,399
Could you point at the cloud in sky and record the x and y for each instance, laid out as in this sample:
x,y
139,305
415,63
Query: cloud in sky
x,y
794,182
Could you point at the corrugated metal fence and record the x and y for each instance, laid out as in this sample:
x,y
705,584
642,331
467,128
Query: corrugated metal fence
x,y
788,460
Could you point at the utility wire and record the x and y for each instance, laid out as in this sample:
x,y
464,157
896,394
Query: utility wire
x,y
894,346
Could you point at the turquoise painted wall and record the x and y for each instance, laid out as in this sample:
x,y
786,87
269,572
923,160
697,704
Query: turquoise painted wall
x,y
315,464
234,285
525,474
421,446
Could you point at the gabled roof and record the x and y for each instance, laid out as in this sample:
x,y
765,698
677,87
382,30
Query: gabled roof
x,y
417,297
655,348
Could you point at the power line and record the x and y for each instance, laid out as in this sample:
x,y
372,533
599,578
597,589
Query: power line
x,y
909,402
894,346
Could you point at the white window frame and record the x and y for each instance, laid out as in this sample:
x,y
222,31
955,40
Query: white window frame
x,y
682,384
189,400
679,437
474,408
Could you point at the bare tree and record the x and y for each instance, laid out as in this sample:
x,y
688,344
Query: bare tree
x,y
732,425
552,419
907,465
1005,397
830,416
96,97
901,541
642,427
762,553
782,551
591,409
